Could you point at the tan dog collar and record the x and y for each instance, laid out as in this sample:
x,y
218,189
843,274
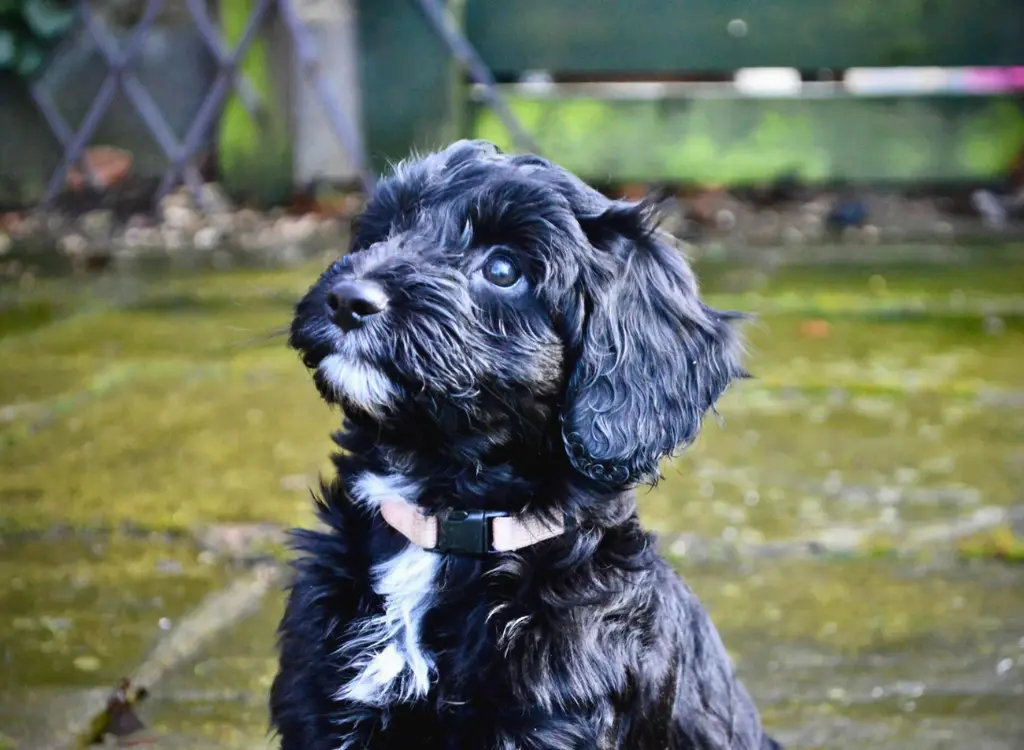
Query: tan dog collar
x,y
472,532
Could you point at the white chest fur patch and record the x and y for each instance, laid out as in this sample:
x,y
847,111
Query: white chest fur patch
x,y
386,649
365,385
370,489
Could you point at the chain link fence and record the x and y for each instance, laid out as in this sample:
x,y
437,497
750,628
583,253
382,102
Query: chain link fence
x,y
161,70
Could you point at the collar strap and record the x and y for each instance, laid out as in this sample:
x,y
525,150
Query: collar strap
x,y
468,532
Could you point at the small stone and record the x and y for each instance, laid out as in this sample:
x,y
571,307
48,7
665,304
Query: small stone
x,y
97,224
912,689
164,623
207,238
139,221
134,237
792,236
181,198
836,694
86,663
295,230
291,255
213,199
170,567
53,223
990,208
329,229
73,244
907,475
179,217
889,495
246,219
725,220
172,239
1004,666
994,325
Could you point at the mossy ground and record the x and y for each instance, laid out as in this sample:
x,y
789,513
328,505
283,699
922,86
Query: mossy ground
x,y
888,398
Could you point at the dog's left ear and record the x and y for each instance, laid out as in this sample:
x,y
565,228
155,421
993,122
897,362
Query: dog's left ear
x,y
652,359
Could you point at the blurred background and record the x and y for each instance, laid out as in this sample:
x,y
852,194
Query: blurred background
x,y
173,175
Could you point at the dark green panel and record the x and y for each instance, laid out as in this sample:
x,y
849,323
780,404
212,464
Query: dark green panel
x,y
406,81
648,36
736,141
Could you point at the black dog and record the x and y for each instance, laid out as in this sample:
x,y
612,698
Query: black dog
x,y
513,353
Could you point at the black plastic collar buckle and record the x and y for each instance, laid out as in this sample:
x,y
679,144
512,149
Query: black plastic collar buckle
x,y
466,532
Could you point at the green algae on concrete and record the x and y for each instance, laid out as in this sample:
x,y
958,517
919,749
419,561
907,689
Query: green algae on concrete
x,y
880,415
884,653
220,699
174,402
174,447
1003,543
785,464
82,611
887,398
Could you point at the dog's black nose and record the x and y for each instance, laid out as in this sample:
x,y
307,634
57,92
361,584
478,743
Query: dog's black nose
x,y
350,303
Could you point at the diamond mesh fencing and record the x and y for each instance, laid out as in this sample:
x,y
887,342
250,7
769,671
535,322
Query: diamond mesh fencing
x,y
182,137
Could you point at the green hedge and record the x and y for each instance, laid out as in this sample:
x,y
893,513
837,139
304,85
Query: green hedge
x,y
29,29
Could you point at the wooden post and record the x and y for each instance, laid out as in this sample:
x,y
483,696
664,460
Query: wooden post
x,y
255,152
319,155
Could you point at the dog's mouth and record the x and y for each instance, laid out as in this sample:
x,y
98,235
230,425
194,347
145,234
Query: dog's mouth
x,y
344,368
352,380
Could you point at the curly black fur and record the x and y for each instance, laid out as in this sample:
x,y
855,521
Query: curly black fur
x,y
555,395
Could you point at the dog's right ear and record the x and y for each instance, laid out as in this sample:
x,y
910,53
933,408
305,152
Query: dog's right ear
x,y
652,357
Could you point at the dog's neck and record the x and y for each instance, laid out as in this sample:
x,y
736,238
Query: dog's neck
x,y
440,472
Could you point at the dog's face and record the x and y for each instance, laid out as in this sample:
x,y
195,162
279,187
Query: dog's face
x,y
502,296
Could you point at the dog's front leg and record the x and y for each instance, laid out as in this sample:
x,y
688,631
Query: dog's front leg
x,y
710,708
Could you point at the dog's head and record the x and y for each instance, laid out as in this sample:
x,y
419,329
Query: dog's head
x,y
500,294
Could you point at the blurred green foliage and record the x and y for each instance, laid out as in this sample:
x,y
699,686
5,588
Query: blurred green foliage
x,y
29,29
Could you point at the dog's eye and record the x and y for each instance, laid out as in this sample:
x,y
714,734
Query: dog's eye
x,y
501,271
